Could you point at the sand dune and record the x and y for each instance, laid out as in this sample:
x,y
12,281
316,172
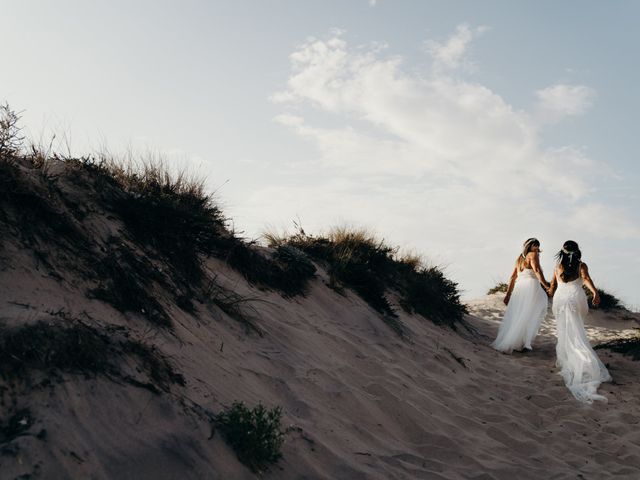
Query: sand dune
x,y
362,402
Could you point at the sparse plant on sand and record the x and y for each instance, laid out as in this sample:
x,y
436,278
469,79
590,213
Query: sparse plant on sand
x,y
254,434
234,305
500,287
77,348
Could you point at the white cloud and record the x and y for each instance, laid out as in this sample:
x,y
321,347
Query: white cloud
x,y
565,100
451,54
443,162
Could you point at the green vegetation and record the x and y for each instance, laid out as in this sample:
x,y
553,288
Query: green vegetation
x,y
499,288
36,216
172,215
254,434
10,133
125,282
626,346
77,348
608,301
172,225
357,260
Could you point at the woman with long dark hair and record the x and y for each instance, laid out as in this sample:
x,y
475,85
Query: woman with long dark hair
x,y
526,301
579,365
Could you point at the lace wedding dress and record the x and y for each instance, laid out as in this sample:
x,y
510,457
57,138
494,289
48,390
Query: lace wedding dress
x,y
524,314
579,365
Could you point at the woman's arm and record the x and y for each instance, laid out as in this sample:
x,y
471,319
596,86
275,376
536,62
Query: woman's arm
x,y
512,282
554,283
537,269
584,273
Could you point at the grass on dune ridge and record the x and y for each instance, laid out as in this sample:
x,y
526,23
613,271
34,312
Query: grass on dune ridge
x,y
176,216
356,259
173,219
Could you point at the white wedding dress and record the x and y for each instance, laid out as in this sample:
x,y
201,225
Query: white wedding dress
x,y
579,365
524,314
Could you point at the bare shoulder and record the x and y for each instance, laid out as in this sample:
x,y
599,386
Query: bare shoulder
x,y
584,269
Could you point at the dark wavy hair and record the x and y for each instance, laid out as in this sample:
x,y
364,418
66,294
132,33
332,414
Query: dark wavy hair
x,y
569,258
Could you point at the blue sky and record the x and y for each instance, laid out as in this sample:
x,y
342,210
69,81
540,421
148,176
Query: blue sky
x,y
455,129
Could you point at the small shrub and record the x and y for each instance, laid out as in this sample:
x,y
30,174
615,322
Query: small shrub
x,y
355,259
608,301
432,295
499,288
254,434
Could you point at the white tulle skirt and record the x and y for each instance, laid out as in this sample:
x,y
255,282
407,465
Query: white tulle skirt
x,y
524,314
580,367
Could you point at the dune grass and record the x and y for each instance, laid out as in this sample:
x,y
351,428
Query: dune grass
x,y
627,346
254,434
172,218
173,214
125,281
11,137
170,213
356,259
500,287
608,301
31,212
76,348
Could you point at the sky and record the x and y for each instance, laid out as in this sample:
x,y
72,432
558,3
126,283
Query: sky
x,y
456,130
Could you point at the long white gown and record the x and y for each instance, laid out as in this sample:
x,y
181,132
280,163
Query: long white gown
x,y
524,314
579,365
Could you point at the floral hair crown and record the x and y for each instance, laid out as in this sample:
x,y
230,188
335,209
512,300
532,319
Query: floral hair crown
x,y
569,253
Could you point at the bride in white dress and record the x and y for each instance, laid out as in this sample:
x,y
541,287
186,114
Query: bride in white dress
x,y
579,365
526,302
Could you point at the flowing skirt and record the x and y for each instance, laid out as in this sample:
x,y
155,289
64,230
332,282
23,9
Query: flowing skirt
x,y
524,314
579,365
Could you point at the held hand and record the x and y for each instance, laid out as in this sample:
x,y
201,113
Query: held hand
x,y
596,300
506,298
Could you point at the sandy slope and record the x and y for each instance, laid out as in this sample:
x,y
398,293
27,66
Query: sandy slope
x,y
363,403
